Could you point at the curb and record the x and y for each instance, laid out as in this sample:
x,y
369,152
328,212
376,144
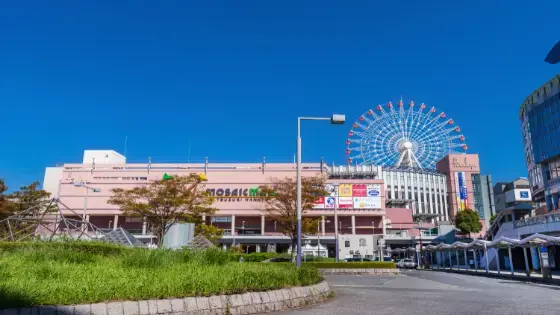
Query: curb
x,y
360,271
236,304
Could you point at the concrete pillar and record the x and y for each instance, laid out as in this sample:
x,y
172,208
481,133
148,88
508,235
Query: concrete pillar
x,y
87,217
449,257
233,224
353,225
510,260
475,261
498,259
323,225
144,226
432,258
486,257
457,258
204,218
116,222
383,224
258,248
262,224
527,271
466,262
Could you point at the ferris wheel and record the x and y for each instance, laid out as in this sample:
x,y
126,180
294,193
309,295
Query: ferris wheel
x,y
396,136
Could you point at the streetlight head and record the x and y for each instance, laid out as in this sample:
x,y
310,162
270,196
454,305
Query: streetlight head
x,y
78,184
337,119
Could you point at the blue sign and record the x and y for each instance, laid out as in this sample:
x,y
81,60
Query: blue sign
x,y
524,194
329,201
373,192
462,186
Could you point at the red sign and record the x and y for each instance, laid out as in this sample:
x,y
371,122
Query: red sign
x,y
320,200
359,191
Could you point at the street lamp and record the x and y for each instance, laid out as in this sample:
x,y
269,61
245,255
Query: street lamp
x,y
335,119
88,188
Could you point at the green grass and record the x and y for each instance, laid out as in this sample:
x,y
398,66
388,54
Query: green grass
x,y
352,265
75,273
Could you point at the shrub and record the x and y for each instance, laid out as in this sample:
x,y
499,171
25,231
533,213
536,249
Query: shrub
x,y
369,264
253,257
92,247
211,256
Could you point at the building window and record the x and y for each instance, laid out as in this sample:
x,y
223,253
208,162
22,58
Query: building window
x,y
346,243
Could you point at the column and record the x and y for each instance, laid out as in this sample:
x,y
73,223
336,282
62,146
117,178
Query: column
x,y
486,257
233,224
384,226
204,218
498,259
466,262
475,261
353,225
510,260
116,222
258,248
457,258
449,257
144,226
323,225
527,271
262,224
87,217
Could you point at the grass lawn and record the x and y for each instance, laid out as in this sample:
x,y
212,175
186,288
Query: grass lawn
x,y
75,273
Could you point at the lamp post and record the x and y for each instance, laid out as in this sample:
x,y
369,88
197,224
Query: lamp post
x,y
88,188
335,119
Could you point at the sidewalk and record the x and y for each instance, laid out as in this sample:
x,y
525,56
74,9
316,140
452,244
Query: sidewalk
x,y
505,274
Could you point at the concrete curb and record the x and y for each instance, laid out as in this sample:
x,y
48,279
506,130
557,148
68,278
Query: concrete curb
x,y
499,276
360,271
237,304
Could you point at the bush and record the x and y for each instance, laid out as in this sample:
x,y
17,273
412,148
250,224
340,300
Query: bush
x,y
369,264
91,247
254,257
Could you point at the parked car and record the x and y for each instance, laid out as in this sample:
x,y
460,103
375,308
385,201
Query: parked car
x,y
384,259
406,263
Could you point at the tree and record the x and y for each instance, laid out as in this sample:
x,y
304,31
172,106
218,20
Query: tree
x,y
279,203
493,218
4,202
37,201
468,221
166,202
210,232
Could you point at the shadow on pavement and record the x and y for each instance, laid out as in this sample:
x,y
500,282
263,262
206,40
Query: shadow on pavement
x,y
12,300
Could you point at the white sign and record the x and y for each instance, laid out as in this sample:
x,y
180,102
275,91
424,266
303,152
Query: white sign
x,y
345,202
332,189
367,203
373,190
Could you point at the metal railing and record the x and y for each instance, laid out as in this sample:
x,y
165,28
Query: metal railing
x,y
540,219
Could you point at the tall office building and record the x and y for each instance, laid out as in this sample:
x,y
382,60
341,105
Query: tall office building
x,y
540,123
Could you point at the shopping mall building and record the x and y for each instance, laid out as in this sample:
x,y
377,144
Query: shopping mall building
x,y
371,202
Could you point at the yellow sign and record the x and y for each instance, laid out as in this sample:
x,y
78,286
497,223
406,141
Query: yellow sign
x,y
345,190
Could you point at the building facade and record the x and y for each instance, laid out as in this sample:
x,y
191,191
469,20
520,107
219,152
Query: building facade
x,y
513,193
360,202
467,188
540,125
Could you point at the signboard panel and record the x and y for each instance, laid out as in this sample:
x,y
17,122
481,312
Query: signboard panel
x,y
367,203
373,190
330,202
461,190
332,189
319,203
345,190
359,191
345,202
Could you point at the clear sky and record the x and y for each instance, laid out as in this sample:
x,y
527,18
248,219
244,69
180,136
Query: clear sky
x,y
232,76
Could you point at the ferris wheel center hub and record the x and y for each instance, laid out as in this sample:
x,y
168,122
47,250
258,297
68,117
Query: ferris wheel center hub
x,y
406,145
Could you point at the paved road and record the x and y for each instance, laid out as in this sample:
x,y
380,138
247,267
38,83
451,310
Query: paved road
x,y
427,292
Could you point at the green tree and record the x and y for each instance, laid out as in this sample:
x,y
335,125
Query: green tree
x,y
279,203
210,232
468,221
36,201
493,218
166,202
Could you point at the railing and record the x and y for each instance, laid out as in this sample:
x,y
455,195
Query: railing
x,y
540,219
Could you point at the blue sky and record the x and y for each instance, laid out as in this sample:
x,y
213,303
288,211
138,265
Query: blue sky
x,y
232,76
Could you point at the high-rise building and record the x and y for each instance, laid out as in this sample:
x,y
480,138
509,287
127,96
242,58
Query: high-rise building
x,y
540,125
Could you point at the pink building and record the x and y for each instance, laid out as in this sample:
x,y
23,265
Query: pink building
x,y
360,202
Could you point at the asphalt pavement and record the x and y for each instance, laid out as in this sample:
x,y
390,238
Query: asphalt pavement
x,y
427,292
